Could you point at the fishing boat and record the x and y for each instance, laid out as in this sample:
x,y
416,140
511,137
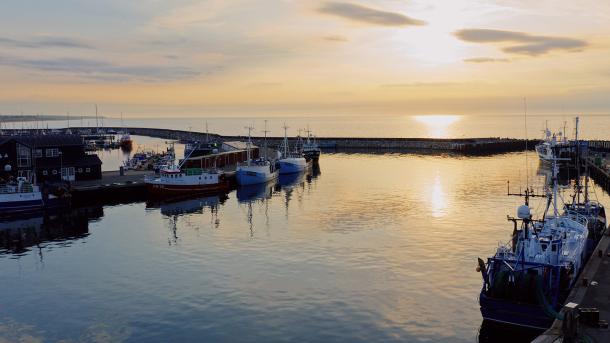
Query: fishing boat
x,y
22,196
527,280
176,182
311,149
125,142
553,145
583,205
291,161
255,171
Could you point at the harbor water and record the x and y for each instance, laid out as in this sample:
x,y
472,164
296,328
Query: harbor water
x,y
369,248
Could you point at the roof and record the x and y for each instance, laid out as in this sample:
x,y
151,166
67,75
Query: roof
x,y
41,141
239,145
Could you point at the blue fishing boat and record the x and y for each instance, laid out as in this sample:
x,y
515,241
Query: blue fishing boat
x,y
255,171
291,161
22,196
527,280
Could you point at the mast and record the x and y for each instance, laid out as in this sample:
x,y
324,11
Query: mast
x,y
207,134
578,187
285,141
249,144
265,131
97,125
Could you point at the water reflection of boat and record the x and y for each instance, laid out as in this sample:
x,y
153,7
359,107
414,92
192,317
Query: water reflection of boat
x,y
290,180
255,192
187,206
16,236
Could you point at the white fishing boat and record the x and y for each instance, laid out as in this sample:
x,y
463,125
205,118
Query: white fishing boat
x,y
23,196
553,145
291,161
255,171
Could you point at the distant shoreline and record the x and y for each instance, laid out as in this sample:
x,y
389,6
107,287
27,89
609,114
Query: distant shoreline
x,y
29,118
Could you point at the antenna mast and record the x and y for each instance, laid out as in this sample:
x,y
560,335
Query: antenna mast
x,y
527,174
265,131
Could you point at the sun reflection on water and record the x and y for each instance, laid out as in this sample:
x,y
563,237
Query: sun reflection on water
x,y
438,201
438,124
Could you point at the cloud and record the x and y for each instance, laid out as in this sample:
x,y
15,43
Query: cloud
x,y
45,42
368,15
335,38
100,70
418,84
520,42
485,60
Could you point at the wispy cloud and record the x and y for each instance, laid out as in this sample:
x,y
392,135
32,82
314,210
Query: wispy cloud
x,y
485,60
418,84
520,42
363,14
45,42
335,38
105,71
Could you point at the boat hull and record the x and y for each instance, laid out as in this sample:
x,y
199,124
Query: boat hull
x,y
157,191
292,166
246,177
514,313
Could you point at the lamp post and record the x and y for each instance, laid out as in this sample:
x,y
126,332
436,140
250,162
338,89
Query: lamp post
x,y
61,163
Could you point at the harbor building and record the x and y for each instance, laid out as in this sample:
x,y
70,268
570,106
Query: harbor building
x,y
50,157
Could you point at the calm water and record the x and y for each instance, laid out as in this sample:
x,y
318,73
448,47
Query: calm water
x,y
374,248
438,126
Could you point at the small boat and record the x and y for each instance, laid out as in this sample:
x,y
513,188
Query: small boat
x,y
311,149
291,161
22,196
255,171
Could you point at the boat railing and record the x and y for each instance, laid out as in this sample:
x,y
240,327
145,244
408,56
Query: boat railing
x,y
577,217
8,188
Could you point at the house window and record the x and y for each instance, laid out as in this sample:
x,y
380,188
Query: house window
x,y
23,156
88,170
54,172
44,172
80,170
53,152
24,173
37,153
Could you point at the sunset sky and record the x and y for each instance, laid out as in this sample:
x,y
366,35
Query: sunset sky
x,y
364,57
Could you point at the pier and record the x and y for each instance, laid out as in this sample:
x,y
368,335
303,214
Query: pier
x,y
593,285
467,146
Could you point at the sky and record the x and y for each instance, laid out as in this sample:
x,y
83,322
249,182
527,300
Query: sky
x,y
163,58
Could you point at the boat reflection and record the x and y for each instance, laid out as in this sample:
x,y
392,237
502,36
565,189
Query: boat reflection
x,y
253,193
18,236
499,333
188,205
564,176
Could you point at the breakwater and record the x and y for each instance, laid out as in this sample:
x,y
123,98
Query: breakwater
x,y
458,145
